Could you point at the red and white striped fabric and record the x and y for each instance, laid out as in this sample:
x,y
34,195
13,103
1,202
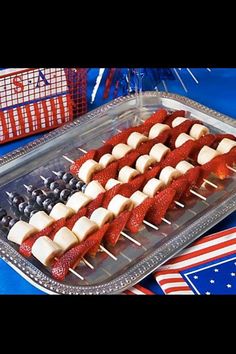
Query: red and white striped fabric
x,y
138,290
205,250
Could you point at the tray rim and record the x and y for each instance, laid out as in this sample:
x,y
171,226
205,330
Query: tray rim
x,y
149,263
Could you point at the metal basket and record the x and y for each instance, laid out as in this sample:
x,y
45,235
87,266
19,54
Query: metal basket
x,y
39,99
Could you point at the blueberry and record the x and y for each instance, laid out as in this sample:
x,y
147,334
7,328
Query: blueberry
x,y
67,177
50,206
83,188
35,193
2,213
40,199
12,195
54,185
22,206
57,192
64,195
73,182
33,212
48,181
5,220
28,210
79,185
13,222
47,202
17,200
30,188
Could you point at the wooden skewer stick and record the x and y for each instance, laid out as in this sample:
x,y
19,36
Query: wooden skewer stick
x,y
107,252
210,183
130,238
166,221
82,150
179,204
73,271
231,168
198,195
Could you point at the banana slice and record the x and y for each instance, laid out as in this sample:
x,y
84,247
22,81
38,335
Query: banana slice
x,y
126,174
111,183
157,129
106,159
65,238
206,154
183,167
158,151
182,138
40,220
135,139
20,232
93,189
119,204
144,162
138,197
120,150
152,187
168,174
177,121
84,227
61,211
225,145
198,130
101,216
77,201
87,170
45,250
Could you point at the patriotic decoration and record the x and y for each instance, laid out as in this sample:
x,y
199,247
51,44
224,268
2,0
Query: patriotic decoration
x,y
36,100
207,267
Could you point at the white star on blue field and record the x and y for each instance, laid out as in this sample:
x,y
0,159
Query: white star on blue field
x,y
213,278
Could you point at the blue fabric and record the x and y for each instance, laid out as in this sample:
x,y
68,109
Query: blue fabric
x,y
216,89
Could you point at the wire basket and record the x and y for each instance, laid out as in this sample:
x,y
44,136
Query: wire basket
x,y
37,100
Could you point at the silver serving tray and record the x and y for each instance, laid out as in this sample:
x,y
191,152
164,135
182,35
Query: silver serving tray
x,y
24,165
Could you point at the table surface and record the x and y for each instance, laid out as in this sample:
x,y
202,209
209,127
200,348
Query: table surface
x,y
216,89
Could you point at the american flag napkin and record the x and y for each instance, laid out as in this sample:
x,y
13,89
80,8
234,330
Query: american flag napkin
x,y
207,267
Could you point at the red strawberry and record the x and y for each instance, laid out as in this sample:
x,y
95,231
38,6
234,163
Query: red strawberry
x,y
182,128
74,168
179,154
94,204
104,175
161,203
180,185
231,157
122,136
134,185
72,220
169,119
145,148
193,176
110,194
26,247
138,214
116,226
99,235
104,149
128,160
57,225
157,117
219,137
206,140
152,173
72,258
218,166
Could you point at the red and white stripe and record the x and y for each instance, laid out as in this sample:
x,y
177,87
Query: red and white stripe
x,y
138,290
205,250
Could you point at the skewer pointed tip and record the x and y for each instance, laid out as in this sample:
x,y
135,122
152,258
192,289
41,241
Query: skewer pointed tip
x,y
82,150
43,178
27,187
8,194
108,253
68,159
151,225
130,238
198,195
166,221
210,183
231,168
54,172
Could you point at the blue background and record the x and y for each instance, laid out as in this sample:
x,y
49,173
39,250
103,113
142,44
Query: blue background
x,y
216,89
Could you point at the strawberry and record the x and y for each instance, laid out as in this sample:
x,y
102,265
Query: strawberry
x,y
128,160
206,140
57,225
157,117
218,166
219,137
74,168
72,258
182,128
169,119
127,189
72,220
110,194
152,173
122,136
161,203
104,175
180,185
94,204
116,226
26,247
99,236
138,214
104,149
194,175
146,147
179,154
